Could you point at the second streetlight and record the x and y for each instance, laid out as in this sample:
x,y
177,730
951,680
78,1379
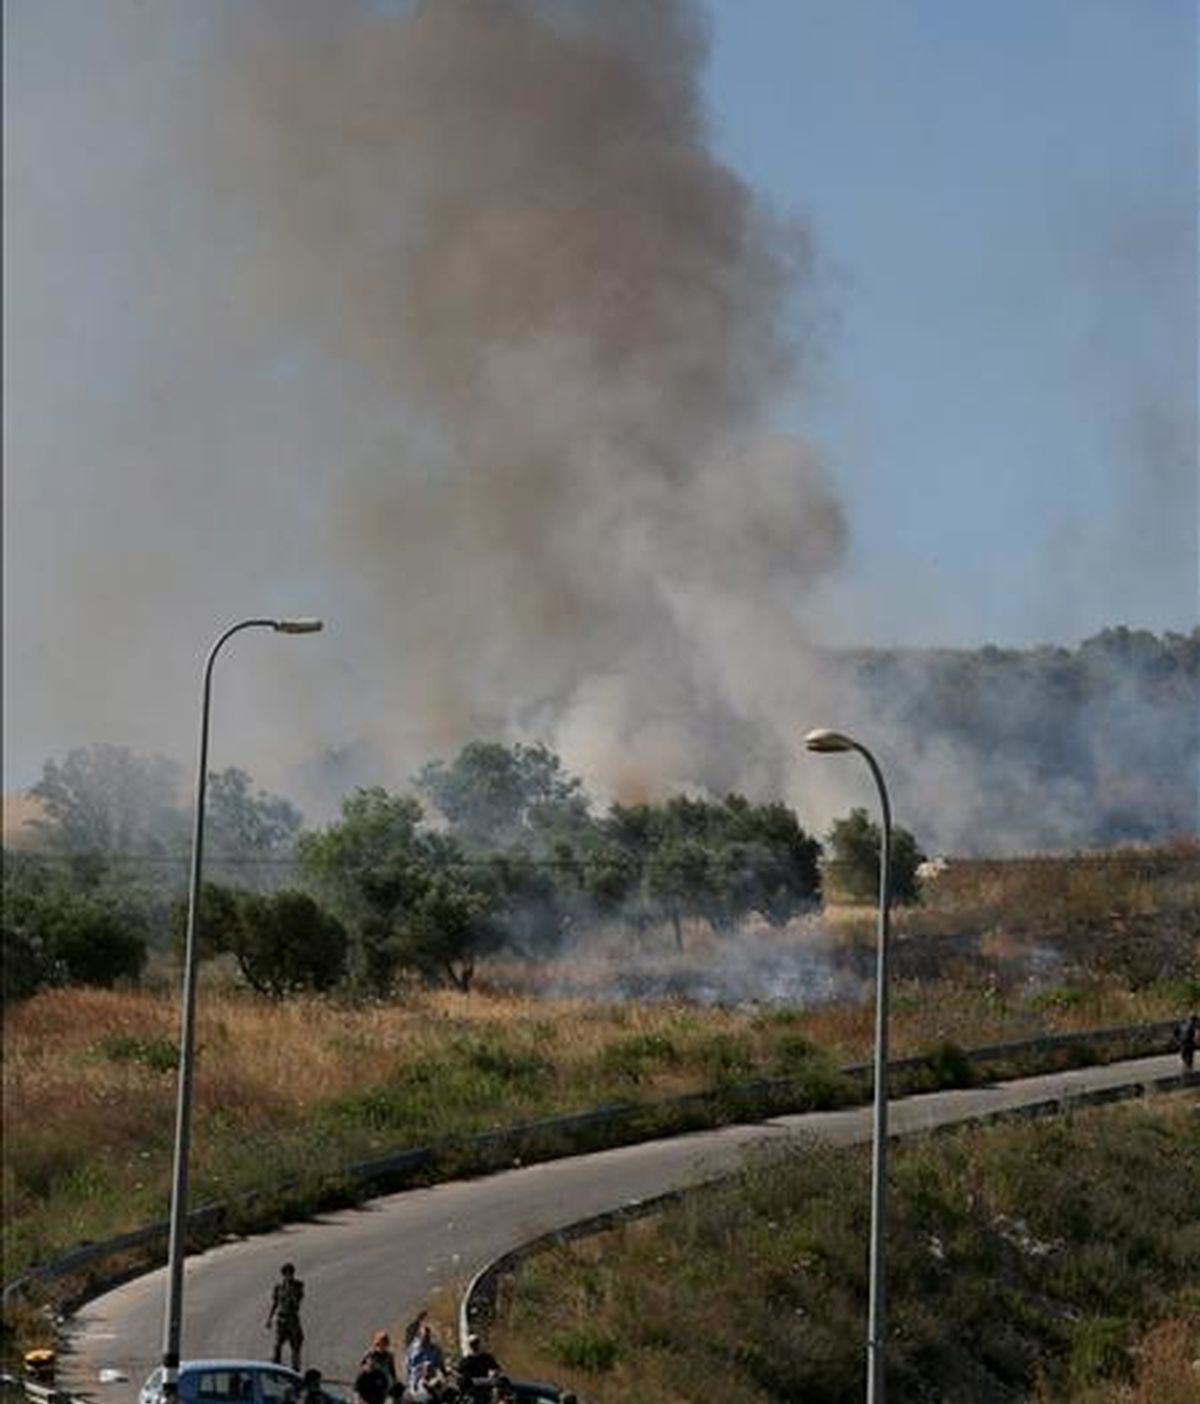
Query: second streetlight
x,y
825,742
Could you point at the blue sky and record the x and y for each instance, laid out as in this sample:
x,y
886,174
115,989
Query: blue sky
x,y
1006,195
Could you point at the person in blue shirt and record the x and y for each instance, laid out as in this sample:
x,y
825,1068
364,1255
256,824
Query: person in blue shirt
x,y
424,1362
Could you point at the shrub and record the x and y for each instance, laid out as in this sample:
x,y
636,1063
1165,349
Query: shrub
x,y
950,1065
854,843
286,942
154,1051
97,946
793,1050
1059,997
634,1055
508,1065
1099,1349
724,1057
586,1348
818,1086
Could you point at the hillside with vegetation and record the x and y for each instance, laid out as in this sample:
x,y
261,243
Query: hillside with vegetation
x,y
1004,750
1045,1261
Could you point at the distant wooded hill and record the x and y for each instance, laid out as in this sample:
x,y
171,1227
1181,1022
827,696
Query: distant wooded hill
x,y
999,750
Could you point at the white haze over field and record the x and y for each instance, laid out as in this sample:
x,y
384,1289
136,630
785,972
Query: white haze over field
x,y
442,321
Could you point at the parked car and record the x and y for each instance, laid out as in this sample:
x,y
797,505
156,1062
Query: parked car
x,y
534,1392
226,1382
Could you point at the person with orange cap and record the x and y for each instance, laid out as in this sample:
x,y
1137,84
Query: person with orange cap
x,y
379,1357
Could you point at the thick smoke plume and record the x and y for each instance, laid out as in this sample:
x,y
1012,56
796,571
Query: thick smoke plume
x,y
506,217
444,321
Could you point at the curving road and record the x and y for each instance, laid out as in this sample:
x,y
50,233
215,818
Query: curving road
x,y
378,1266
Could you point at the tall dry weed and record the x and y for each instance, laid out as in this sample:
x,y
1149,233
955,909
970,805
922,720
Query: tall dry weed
x,y
1168,1363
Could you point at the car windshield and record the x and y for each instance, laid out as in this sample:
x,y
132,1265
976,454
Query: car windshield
x,y
234,1383
218,1384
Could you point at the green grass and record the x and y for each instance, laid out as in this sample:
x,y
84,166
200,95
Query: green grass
x,y
1020,1258
156,1052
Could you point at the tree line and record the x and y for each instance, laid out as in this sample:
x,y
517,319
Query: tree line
x,y
499,849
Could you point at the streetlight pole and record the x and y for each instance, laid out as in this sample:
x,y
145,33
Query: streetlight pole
x,y
176,1241
823,741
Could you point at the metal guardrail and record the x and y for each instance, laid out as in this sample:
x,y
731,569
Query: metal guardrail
x,y
208,1220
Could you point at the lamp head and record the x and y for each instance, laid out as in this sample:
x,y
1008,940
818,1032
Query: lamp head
x,y
825,741
298,626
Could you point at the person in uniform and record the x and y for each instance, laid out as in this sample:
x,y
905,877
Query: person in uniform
x,y
286,1296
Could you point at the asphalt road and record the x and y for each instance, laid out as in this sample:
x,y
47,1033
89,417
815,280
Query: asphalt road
x,y
377,1267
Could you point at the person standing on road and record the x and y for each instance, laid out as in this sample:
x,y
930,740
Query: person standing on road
x,y
1189,1035
286,1296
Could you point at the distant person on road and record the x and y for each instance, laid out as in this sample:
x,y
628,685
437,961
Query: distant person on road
x,y
286,1296
1189,1035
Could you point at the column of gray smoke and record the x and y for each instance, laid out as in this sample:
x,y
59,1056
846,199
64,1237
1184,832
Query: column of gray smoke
x,y
506,217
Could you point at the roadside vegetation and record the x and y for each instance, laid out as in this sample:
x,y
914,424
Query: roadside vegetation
x,y
1049,1261
296,1090
487,952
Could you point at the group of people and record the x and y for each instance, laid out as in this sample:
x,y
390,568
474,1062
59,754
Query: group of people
x,y
476,1377
426,1377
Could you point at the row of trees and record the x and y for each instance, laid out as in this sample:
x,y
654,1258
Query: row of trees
x,y
497,849
108,803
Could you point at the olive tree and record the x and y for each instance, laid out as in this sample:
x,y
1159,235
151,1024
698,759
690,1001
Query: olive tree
x,y
854,845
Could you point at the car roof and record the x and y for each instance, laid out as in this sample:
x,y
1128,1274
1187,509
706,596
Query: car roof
x,y
234,1364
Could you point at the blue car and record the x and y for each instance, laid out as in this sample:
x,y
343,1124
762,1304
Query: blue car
x,y
226,1382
